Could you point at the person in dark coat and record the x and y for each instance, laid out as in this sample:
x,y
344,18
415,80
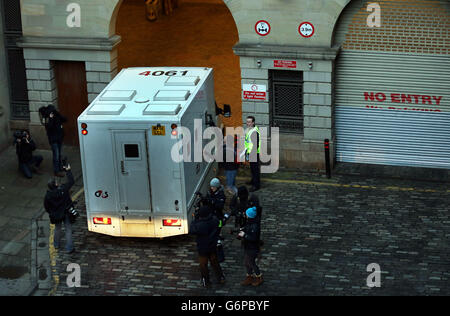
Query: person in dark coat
x,y
55,134
230,162
250,236
57,201
216,197
24,150
238,206
206,228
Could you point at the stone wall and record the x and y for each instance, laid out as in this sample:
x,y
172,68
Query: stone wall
x,y
5,133
47,38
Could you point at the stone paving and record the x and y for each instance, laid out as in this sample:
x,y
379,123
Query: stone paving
x,y
21,207
320,235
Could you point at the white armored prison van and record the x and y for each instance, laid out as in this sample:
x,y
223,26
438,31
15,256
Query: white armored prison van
x,y
132,185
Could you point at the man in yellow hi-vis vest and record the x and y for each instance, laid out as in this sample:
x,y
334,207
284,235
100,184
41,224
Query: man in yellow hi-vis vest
x,y
252,143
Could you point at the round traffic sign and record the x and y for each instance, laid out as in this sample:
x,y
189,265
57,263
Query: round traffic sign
x,y
262,28
306,29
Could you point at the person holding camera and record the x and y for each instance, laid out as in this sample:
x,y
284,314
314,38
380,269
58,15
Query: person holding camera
x,y
24,150
57,203
206,227
216,197
53,121
250,236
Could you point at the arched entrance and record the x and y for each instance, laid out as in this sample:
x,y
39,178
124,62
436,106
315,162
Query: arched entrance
x,y
198,33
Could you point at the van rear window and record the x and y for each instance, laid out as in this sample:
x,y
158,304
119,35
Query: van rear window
x,y
131,150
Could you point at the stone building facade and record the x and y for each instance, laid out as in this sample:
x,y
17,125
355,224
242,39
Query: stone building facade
x,y
286,57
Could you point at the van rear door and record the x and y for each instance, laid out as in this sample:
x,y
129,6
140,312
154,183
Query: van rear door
x,y
133,175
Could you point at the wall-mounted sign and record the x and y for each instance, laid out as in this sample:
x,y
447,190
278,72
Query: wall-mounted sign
x,y
306,29
254,91
262,28
285,64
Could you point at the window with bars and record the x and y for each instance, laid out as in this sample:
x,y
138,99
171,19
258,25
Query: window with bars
x,y
287,100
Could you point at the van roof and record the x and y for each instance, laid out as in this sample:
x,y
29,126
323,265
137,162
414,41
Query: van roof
x,y
150,92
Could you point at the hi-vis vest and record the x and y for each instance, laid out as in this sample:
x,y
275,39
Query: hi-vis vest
x,y
248,141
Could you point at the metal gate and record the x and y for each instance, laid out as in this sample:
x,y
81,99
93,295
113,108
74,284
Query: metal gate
x,y
392,84
393,109
287,100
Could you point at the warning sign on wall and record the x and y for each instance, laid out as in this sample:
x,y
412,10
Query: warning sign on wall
x,y
254,91
285,64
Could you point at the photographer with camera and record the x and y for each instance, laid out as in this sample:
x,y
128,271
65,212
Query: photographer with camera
x,y
24,150
250,236
206,227
59,206
53,121
216,197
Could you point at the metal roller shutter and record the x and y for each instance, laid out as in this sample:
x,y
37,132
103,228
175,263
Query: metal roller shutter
x,y
392,108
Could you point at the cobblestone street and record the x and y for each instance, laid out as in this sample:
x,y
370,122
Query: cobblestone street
x,y
319,237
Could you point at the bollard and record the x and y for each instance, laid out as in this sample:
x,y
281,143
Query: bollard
x,y
326,144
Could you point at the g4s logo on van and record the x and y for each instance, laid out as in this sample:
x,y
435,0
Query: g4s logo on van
x,y
158,73
100,193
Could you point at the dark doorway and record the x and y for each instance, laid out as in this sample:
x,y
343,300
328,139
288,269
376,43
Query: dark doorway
x,y
72,95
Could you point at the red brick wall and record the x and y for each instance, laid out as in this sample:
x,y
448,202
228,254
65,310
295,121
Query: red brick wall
x,y
414,26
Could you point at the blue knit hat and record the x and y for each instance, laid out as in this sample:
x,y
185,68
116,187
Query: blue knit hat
x,y
215,183
251,212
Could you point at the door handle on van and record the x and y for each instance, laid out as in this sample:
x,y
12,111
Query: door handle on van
x,y
122,167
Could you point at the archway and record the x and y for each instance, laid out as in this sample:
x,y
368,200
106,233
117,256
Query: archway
x,y
198,33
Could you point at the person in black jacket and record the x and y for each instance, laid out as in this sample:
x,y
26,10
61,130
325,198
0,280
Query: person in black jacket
x,y
230,162
240,202
250,236
53,126
206,228
238,205
57,201
24,150
216,197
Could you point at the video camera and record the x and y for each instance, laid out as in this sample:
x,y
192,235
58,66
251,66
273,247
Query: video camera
x,y
64,162
199,202
73,213
45,111
20,135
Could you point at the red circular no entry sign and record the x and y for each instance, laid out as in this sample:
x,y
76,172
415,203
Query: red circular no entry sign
x,y
306,29
262,28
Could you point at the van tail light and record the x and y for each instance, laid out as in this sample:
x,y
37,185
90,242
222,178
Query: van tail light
x,y
171,222
102,220
84,129
174,129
